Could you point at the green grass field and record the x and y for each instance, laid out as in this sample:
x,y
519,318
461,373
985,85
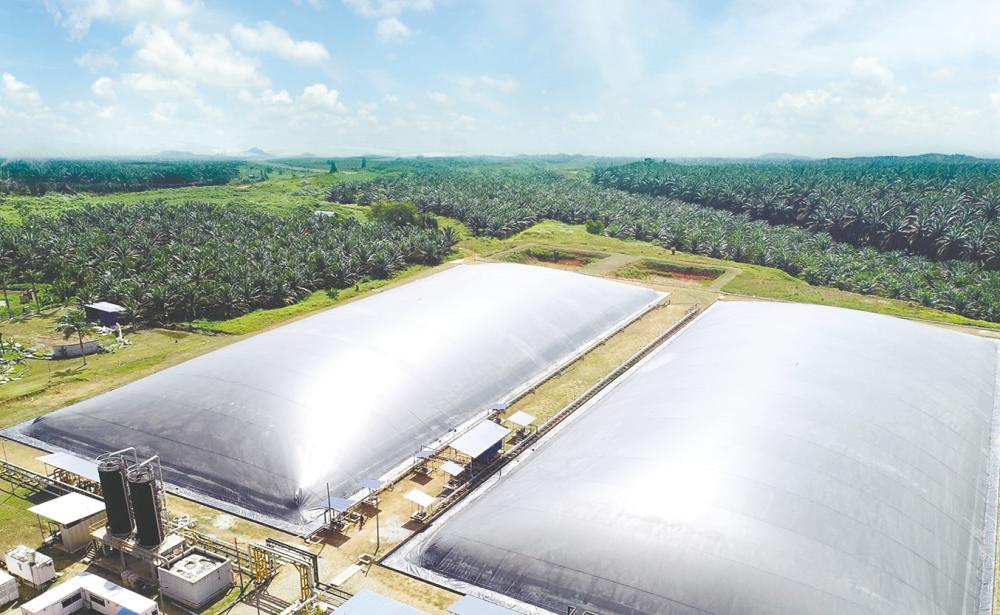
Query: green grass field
x,y
17,524
282,193
750,280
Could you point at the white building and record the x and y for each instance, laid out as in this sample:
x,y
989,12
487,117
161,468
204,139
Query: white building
x,y
197,579
34,568
69,518
8,589
89,591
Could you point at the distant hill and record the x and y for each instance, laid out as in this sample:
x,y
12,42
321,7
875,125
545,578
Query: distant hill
x,y
256,152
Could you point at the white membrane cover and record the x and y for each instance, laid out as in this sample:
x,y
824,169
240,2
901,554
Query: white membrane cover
x,y
262,426
772,458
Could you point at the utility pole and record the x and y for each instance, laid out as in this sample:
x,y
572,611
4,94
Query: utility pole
x,y
378,538
239,565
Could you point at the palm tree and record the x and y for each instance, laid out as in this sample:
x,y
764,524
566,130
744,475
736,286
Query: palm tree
x,y
74,322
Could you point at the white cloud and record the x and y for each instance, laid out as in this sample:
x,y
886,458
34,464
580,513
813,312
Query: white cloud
x,y
870,73
88,109
267,97
318,97
271,97
104,88
270,38
194,57
389,29
588,117
943,73
78,15
367,112
807,101
438,97
392,30
868,104
501,84
193,110
871,88
18,92
146,83
96,61
388,8
163,112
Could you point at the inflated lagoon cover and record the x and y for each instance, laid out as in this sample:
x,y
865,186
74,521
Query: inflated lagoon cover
x,y
261,426
772,458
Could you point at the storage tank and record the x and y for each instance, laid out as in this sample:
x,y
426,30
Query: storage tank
x,y
112,474
145,506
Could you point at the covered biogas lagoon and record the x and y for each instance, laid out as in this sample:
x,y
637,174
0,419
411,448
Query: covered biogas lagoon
x,y
771,458
269,426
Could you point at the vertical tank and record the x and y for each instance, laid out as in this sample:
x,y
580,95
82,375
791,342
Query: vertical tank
x,y
145,506
112,474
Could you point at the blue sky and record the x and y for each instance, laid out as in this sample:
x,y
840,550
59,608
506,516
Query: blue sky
x,y
404,77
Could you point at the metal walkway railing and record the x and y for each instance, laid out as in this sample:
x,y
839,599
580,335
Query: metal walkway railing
x,y
13,476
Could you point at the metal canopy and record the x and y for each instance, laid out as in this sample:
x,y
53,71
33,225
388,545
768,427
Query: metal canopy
x,y
771,458
72,464
470,605
479,439
260,426
367,602
420,498
339,504
68,509
521,418
451,468
425,454
371,483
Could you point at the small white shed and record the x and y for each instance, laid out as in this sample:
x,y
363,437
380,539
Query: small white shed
x,y
197,579
33,568
69,518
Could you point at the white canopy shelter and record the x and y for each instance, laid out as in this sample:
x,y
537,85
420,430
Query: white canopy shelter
x,y
72,464
68,509
420,498
521,419
339,504
451,468
369,603
480,439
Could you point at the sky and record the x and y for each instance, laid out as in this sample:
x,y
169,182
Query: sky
x,y
666,78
